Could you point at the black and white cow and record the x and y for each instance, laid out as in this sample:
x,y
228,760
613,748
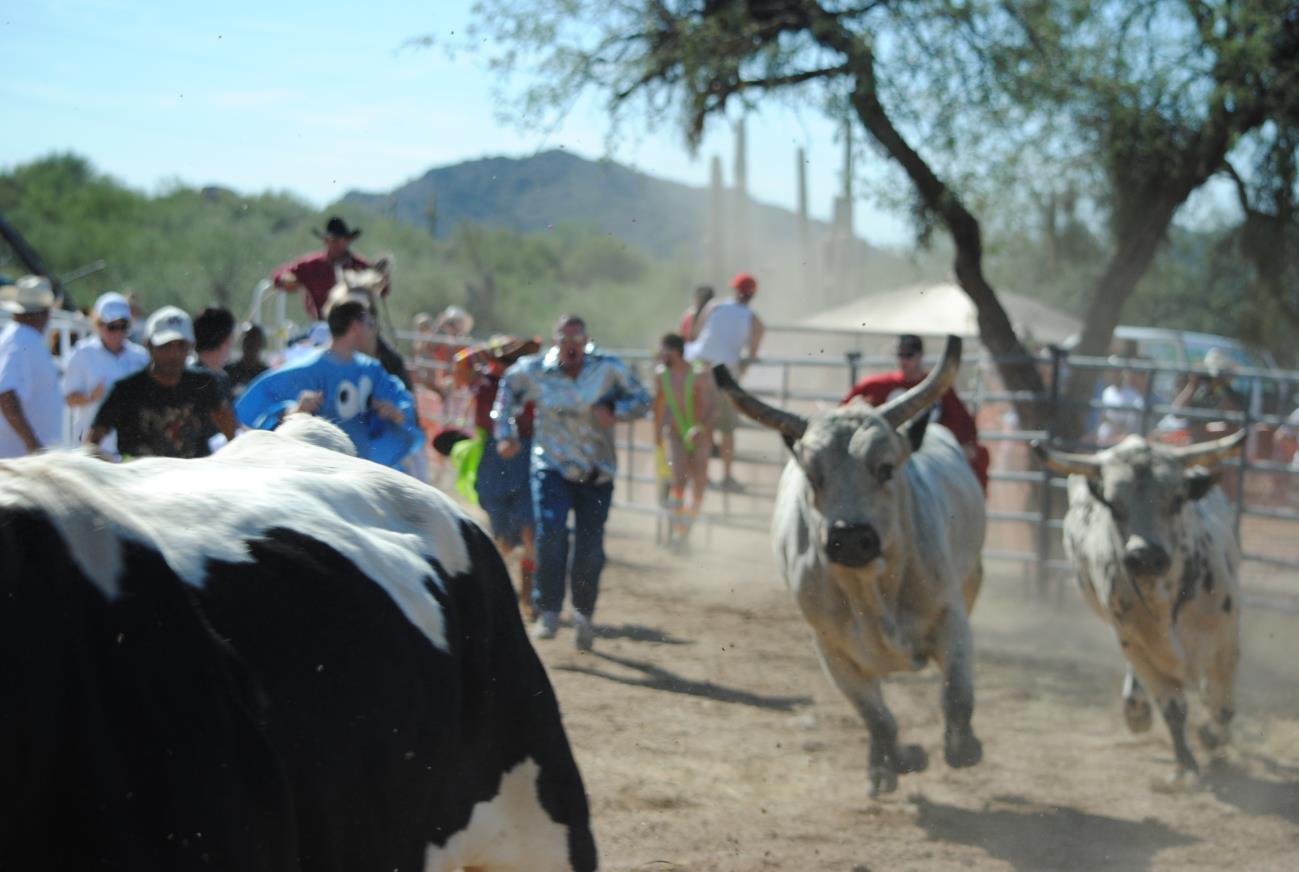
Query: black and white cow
x,y
1151,539
277,658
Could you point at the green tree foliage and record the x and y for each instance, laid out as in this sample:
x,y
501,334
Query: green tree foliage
x,y
984,107
196,247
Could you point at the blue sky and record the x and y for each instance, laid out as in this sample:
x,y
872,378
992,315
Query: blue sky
x,y
316,100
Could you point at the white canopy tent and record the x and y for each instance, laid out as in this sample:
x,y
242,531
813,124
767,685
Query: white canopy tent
x,y
940,308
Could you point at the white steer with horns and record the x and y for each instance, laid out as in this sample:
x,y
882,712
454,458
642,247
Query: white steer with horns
x,y
1151,539
878,532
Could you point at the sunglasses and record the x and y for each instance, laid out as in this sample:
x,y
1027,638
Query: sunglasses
x,y
908,354
118,326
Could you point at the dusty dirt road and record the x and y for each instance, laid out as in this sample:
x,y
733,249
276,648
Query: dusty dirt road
x,y
710,739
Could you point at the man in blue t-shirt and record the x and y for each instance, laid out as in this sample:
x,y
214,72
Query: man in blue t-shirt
x,y
344,385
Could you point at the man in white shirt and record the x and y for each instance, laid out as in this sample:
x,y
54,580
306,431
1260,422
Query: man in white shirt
x,y
1121,407
100,361
31,402
725,328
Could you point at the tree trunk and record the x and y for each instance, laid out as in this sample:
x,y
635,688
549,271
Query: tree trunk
x,y
1138,245
1013,361
31,259
1129,263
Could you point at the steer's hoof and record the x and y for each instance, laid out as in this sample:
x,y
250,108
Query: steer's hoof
x,y
1214,739
883,780
912,758
962,748
1136,711
1181,781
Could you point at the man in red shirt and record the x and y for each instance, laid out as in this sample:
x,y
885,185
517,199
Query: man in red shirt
x,y
318,272
952,414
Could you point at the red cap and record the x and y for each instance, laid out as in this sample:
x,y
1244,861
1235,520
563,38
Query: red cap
x,y
745,284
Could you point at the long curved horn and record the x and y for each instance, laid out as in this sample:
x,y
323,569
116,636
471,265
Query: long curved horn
x,y
902,409
1209,453
791,426
1066,462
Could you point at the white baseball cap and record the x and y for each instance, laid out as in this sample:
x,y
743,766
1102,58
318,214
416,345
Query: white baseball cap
x,y
169,324
111,307
27,295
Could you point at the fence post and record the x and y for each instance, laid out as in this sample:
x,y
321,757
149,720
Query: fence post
x,y
629,473
1044,519
1147,401
1242,463
854,364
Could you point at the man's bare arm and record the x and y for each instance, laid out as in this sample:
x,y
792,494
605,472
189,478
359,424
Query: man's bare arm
x,y
76,399
96,434
12,408
756,332
223,418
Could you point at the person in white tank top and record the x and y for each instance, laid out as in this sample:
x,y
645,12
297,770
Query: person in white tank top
x,y
725,328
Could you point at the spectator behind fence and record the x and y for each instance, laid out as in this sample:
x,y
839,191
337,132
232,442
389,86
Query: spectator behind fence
x,y
437,342
167,409
1122,404
1211,393
252,344
725,329
344,385
685,406
424,349
31,401
100,361
580,393
949,411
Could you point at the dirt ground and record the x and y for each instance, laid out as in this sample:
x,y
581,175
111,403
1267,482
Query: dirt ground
x,y
710,740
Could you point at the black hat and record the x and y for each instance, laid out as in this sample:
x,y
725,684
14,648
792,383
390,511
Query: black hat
x,y
337,227
909,344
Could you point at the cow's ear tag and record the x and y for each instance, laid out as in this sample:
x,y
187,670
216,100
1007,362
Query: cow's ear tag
x,y
1199,481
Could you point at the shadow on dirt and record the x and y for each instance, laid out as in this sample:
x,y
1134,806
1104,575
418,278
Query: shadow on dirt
x,y
657,678
1254,795
638,633
1031,836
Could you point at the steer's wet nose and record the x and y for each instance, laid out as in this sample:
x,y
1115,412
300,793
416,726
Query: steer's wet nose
x,y
1142,558
852,544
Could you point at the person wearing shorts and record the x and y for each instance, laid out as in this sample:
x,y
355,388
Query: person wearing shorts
x,y
503,485
726,330
685,405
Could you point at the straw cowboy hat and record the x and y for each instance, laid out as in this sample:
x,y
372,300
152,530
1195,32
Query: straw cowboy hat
x,y
1217,363
28,295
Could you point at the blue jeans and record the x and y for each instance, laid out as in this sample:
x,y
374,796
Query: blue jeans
x,y
553,497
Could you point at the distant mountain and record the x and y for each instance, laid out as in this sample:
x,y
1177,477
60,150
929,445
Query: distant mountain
x,y
659,217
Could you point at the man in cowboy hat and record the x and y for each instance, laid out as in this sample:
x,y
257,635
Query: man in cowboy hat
x,y
31,400
323,272
320,271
